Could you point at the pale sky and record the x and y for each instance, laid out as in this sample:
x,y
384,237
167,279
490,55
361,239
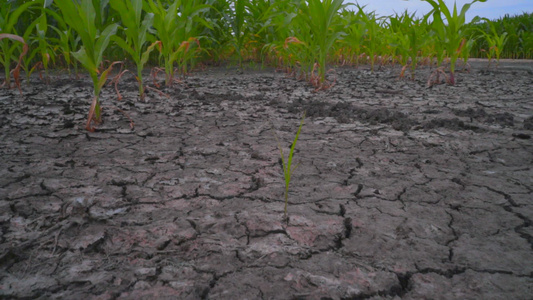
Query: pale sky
x,y
491,9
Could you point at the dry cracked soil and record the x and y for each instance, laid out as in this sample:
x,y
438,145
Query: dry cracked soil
x,y
401,192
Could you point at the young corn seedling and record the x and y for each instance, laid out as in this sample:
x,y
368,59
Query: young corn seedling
x,y
465,54
236,19
279,30
8,18
137,36
40,45
400,38
411,37
452,33
287,165
16,70
261,24
355,30
191,30
178,27
373,42
495,41
323,20
296,57
165,23
64,41
82,18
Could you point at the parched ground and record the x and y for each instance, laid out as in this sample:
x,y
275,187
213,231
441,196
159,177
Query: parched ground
x,y
402,191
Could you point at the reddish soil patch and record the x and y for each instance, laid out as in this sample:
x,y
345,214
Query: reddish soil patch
x,y
402,190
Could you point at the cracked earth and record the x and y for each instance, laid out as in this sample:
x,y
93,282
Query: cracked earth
x,y
402,191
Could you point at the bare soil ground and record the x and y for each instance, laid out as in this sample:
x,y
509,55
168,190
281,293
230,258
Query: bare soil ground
x,y
402,191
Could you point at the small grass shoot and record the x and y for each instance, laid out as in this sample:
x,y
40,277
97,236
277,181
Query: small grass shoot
x,y
287,165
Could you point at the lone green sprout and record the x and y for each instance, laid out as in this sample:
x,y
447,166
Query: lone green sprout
x,y
287,164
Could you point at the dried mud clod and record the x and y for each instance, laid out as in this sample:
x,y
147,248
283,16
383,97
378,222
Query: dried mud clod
x,y
528,123
348,113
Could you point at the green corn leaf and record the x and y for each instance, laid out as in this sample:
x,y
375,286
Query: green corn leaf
x,y
145,26
103,41
82,56
42,26
77,20
13,17
124,45
291,153
103,78
146,54
88,14
137,8
59,19
170,16
126,14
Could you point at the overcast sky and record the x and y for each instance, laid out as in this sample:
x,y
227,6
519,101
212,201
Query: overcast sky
x,y
492,9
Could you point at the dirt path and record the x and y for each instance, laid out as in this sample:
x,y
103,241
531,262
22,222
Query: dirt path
x,y
401,192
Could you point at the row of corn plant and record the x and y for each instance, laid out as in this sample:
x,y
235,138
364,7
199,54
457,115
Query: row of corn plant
x,y
299,36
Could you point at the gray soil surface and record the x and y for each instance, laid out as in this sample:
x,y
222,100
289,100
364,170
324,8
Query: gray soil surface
x,y
402,191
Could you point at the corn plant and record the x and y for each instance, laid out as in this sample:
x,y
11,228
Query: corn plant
x,y
519,30
284,49
137,36
305,47
82,18
372,42
236,18
259,26
495,41
40,45
323,20
30,36
288,168
191,31
452,33
410,37
467,50
526,44
178,33
8,19
64,40
354,28
16,70
297,53
218,39
400,39
166,25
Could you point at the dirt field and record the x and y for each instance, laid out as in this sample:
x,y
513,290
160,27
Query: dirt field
x,y
402,191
